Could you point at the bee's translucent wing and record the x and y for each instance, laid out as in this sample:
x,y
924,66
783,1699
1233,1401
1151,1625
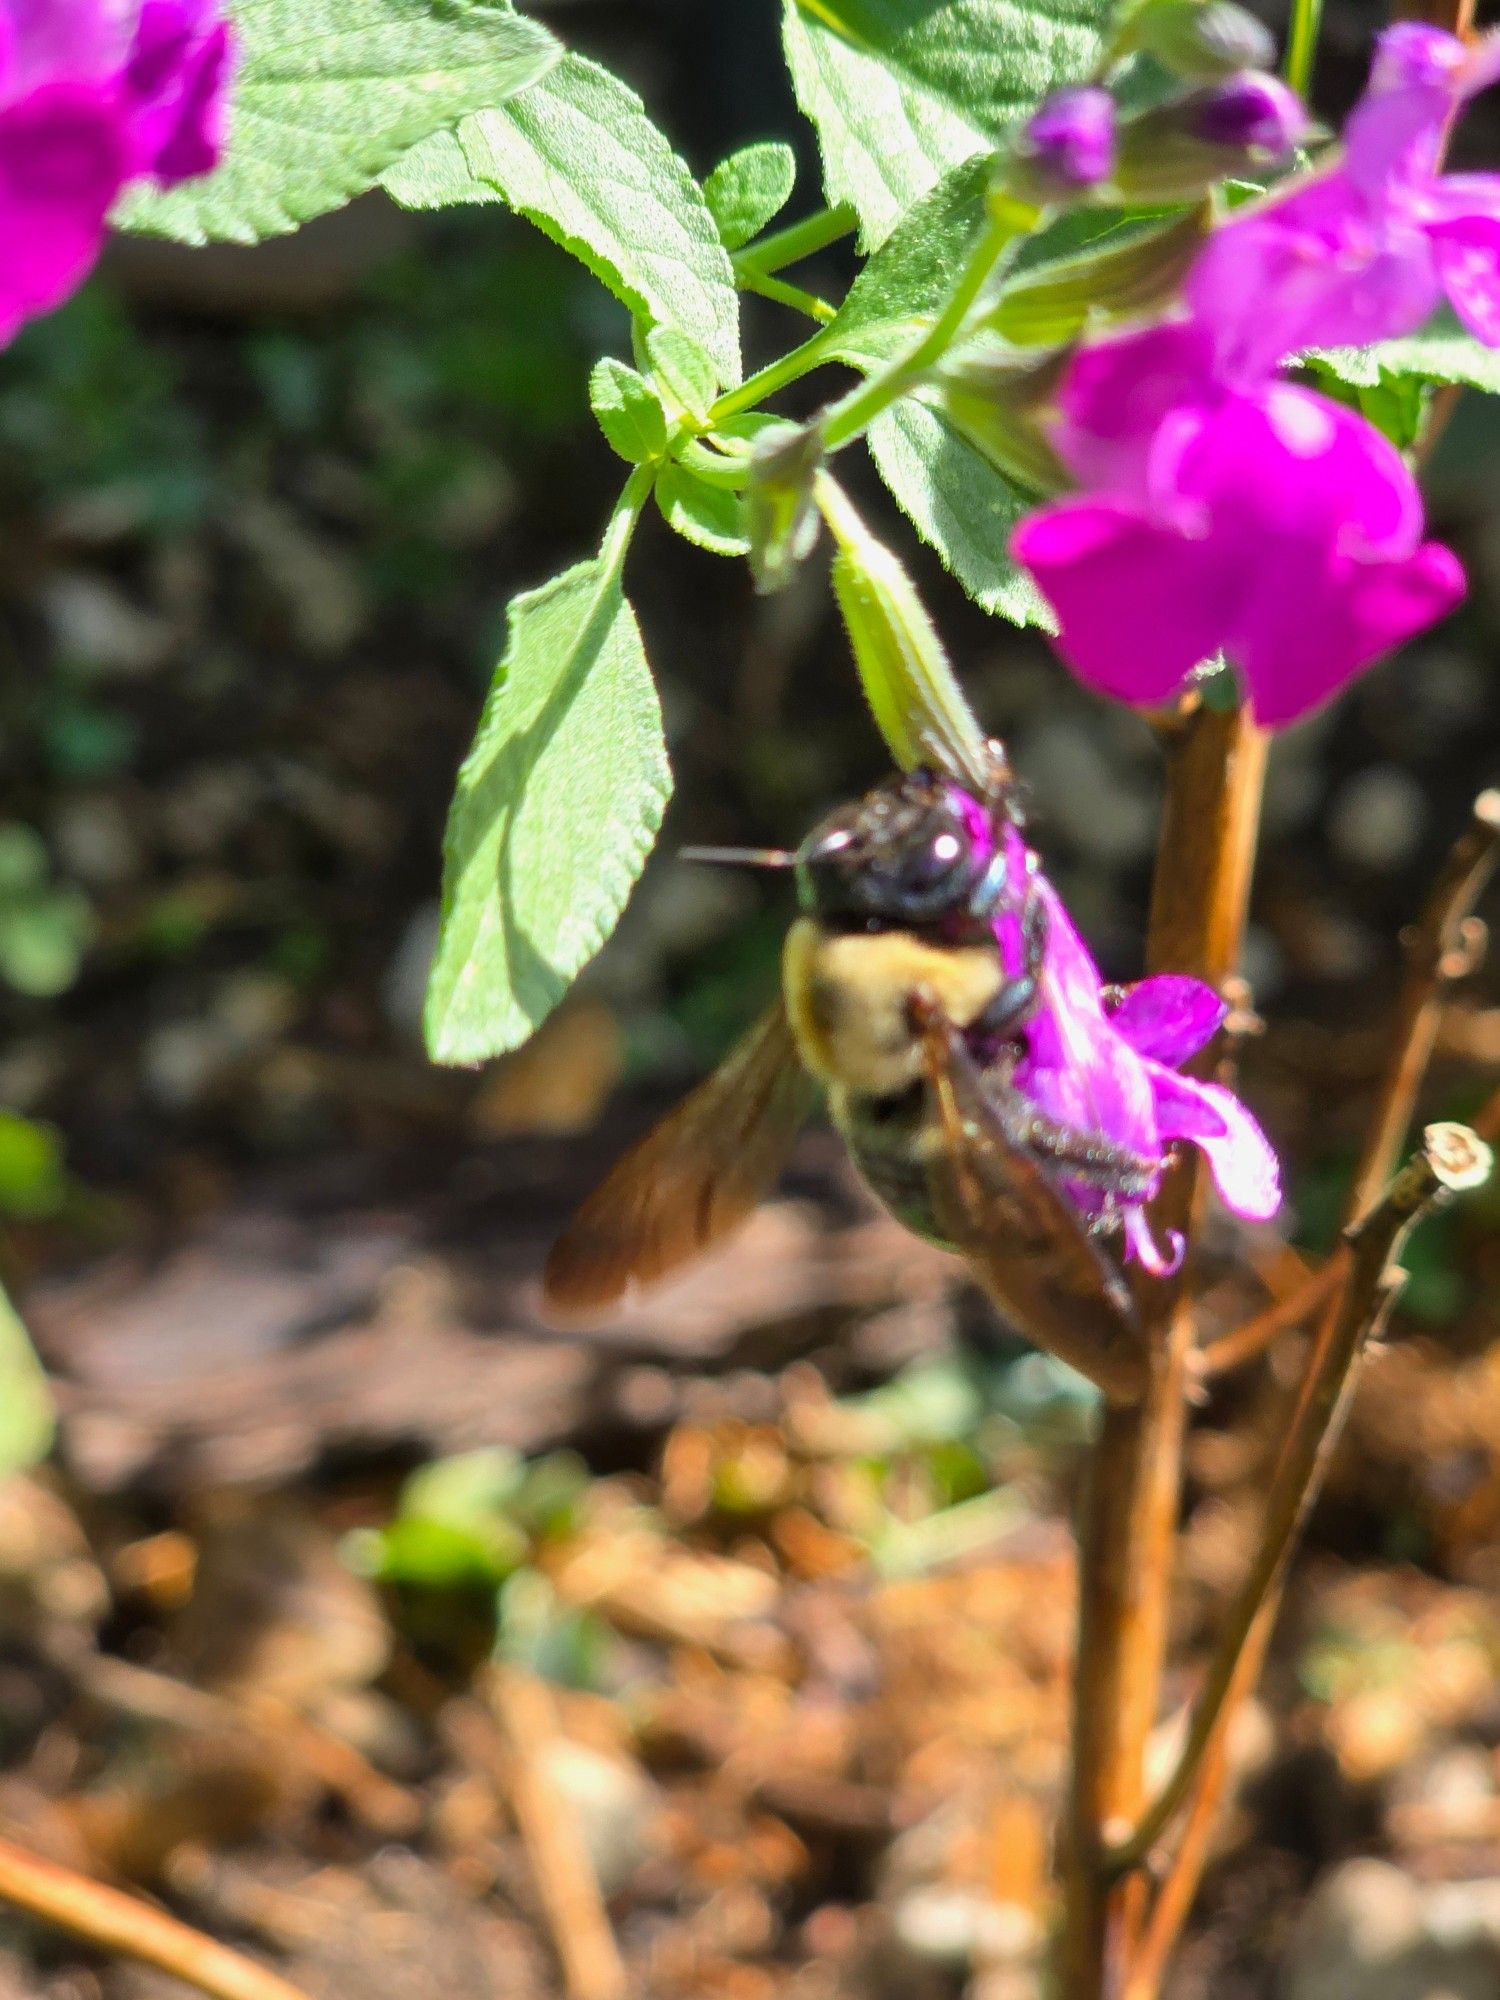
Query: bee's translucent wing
x,y
693,1178
1021,1236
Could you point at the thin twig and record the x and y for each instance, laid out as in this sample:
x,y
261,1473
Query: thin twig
x,y
1253,1336
1439,947
566,1885
1215,773
383,1805
1443,947
1450,1161
124,1926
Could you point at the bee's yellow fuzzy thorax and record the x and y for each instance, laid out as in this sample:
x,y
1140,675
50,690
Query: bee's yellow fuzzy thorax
x,y
849,994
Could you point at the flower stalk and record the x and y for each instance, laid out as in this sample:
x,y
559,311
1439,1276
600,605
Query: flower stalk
x,y
1215,777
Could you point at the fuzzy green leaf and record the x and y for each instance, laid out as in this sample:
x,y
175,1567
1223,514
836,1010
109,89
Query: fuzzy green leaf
x,y
898,293
328,95
1441,352
956,501
580,158
557,806
629,411
960,505
748,189
682,369
711,516
899,94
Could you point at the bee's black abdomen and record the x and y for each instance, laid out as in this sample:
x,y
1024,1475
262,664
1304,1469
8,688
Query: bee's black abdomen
x,y
889,1140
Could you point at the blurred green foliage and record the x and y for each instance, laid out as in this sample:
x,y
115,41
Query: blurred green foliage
x,y
44,925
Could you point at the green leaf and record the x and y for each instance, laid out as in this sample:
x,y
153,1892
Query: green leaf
x,y
1441,352
579,157
557,806
901,93
748,189
1396,405
898,293
709,515
629,411
328,95
957,502
960,506
682,369
26,1419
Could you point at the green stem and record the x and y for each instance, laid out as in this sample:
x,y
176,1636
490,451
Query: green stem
x,y
776,375
852,416
1302,43
622,522
787,295
796,241
714,466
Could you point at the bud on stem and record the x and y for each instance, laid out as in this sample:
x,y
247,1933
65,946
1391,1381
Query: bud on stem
x,y
904,669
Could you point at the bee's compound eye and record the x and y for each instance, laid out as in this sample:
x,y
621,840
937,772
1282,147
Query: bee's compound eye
x,y
931,863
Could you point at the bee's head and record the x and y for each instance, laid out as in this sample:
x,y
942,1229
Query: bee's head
x,y
916,853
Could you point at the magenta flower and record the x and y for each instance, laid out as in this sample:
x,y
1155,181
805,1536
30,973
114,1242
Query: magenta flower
x,y
95,94
1261,521
1109,1064
1365,249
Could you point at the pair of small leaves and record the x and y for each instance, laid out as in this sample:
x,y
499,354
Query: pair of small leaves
x,y
638,416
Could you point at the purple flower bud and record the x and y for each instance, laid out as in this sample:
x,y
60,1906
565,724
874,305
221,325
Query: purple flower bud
x,y
1251,109
1068,145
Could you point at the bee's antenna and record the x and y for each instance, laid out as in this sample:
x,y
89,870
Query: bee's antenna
x,y
740,857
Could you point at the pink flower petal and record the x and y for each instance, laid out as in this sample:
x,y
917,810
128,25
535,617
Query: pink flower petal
x,y
62,162
1142,1246
80,41
1078,1069
175,81
1321,266
1116,394
1313,632
1467,253
1138,606
1239,1155
1169,1017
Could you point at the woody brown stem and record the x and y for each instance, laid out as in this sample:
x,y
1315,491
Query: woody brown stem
x,y
124,1926
1215,774
1440,947
1451,1160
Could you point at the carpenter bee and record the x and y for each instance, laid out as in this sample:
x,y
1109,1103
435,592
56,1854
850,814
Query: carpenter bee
x,y
897,1003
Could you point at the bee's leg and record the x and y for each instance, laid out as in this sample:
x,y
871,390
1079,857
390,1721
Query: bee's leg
x,y
1007,1011
1034,936
1082,1156
1016,1000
